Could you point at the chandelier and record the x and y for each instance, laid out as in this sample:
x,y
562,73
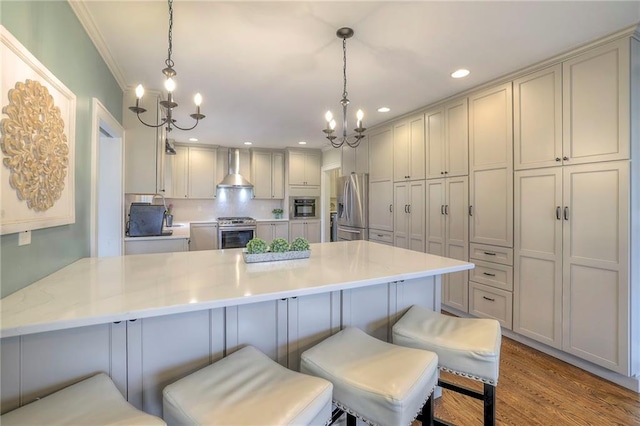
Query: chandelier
x,y
344,34
169,85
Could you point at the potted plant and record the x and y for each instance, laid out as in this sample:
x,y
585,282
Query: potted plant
x,y
277,213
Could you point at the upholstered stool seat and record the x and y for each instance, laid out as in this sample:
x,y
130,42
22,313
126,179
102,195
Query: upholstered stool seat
x,y
247,388
468,347
94,401
380,383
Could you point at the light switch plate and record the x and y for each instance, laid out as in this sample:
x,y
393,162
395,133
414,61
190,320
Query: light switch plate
x,y
24,238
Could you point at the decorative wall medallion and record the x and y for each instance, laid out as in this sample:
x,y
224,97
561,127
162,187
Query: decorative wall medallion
x,y
34,145
37,143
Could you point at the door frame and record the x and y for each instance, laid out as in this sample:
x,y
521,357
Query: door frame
x,y
103,121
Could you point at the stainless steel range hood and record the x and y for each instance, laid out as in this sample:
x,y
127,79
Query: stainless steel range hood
x,y
234,179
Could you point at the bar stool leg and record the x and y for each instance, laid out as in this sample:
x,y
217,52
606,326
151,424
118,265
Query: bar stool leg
x,y
351,420
428,410
489,405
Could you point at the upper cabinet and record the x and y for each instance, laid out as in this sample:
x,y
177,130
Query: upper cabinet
x,y
447,140
267,174
192,172
408,147
144,147
381,154
355,160
575,112
537,119
596,104
304,167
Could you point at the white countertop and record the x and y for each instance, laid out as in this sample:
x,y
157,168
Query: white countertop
x,y
100,290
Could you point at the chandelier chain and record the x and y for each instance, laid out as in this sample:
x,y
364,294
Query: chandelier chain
x,y
169,62
344,67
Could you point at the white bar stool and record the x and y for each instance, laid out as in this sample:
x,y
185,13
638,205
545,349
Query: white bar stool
x,y
375,381
247,388
468,347
93,401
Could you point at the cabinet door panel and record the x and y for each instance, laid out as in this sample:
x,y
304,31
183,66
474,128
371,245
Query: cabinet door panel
x,y
203,236
381,154
417,147
281,230
202,172
596,104
434,131
537,120
416,216
179,166
457,138
595,269
455,286
537,310
264,230
312,231
261,175
381,205
418,291
277,175
435,217
401,148
491,128
401,215
296,229
313,164
492,207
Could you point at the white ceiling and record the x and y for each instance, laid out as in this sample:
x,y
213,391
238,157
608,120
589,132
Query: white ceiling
x,y
268,71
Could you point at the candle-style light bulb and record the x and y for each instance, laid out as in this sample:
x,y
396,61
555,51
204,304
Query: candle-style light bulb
x,y
328,116
332,124
360,116
139,91
170,85
197,99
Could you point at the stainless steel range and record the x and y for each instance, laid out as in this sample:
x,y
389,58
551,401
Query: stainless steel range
x,y
235,232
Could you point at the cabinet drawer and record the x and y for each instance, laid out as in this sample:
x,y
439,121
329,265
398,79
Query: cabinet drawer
x,y
384,237
489,302
489,253
492,274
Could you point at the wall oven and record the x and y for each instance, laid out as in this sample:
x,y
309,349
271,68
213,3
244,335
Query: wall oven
x,y
235,232
303,207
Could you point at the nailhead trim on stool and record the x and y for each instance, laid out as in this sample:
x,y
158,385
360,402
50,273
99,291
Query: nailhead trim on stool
x,y
247,388
467,347
93,401
375,381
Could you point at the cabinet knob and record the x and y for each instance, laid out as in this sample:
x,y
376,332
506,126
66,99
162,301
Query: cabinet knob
x,y
441,173
558,159
446,173
565,158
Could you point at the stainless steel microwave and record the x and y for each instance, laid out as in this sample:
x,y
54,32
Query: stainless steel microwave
x,y
301,207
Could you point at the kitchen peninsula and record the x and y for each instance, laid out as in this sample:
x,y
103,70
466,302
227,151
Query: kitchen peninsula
x,y
148,320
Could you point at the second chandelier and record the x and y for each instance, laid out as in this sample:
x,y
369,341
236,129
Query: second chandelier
x,y
344,34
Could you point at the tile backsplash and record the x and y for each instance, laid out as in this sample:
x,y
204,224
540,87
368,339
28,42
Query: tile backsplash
x,y
229,202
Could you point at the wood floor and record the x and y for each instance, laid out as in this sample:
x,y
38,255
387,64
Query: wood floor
x,y
537,389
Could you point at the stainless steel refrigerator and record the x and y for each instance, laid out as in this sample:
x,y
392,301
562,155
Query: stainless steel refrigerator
x,y
353,207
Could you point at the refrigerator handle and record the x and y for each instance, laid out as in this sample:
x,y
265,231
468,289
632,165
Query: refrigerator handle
x,y
345,192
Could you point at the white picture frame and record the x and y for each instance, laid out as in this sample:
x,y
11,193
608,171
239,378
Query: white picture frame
x,y
17,212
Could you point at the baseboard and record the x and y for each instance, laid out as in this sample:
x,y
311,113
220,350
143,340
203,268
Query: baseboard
x,y
630,382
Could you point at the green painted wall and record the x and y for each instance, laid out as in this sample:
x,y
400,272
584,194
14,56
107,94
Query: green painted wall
x,y
51,31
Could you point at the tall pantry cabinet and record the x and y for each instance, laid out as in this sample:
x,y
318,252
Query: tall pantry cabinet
x,y
491,202
572,287
381,185
447,194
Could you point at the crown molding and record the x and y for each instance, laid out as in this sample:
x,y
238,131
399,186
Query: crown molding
x,y
79,7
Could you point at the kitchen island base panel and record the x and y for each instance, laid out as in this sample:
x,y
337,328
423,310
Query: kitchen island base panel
x,y
143,356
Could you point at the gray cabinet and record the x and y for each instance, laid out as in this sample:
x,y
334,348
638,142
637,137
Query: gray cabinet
x,y
203,236
268,231
267,174
308,229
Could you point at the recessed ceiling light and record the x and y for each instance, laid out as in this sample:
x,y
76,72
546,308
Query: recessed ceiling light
x,y
302,143
460,73
384,109
248,143
193,139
